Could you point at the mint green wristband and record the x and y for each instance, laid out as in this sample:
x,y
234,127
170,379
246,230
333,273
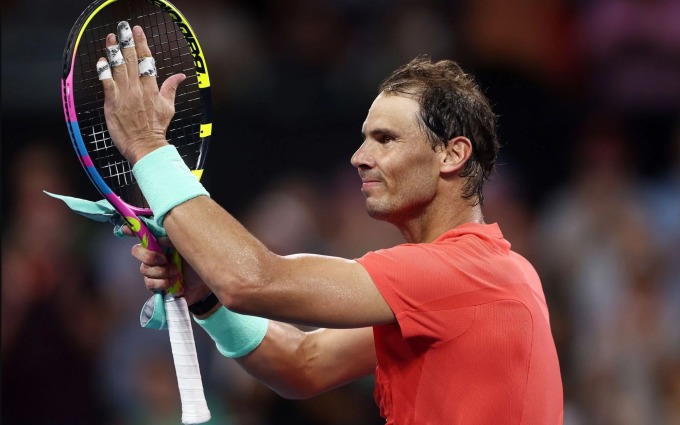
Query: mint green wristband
x,y
166,181
234,334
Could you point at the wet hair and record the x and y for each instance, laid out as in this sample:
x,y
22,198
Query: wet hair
x,y
451,105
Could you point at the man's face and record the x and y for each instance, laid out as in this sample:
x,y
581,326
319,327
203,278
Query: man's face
x,y
398,168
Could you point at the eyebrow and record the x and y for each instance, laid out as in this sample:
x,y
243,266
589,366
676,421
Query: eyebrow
x,y
377,132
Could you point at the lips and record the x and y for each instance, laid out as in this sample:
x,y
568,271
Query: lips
x,y
367,178
368,182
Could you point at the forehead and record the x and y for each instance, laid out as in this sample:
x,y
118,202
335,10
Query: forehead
x,y
392,111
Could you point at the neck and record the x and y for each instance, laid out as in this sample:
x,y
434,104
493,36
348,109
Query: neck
x,y
431,224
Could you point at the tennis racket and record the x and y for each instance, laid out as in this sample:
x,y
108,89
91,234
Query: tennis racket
x,y
176,50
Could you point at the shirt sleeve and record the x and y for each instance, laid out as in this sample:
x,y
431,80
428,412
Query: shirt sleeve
x,y
432,290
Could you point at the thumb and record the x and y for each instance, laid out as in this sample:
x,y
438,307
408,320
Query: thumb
x,y
169,86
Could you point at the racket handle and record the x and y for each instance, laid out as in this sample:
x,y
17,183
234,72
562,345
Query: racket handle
x,y
194,407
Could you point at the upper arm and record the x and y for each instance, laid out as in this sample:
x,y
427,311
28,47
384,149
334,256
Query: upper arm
x,y
315,290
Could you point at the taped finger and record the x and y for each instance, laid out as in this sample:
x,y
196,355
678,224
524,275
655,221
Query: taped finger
x,y
147,67
103,69
115,56
125,35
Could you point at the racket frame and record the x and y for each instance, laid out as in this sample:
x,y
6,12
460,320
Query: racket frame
x,y
194,406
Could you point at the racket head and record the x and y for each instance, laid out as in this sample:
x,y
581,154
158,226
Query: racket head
x,y
176,49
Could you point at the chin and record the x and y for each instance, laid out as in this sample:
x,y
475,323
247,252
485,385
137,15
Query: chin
x,y
377,212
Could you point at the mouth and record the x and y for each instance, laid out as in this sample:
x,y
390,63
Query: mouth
x,y
368,183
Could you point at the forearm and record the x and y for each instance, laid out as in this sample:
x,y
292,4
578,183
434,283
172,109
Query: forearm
x,y
222,252
299,364
294,363
279,362
314,290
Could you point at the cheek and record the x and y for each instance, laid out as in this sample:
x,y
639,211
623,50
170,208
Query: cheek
x,y
416,179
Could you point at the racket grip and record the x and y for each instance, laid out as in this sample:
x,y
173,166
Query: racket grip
x,y
194,407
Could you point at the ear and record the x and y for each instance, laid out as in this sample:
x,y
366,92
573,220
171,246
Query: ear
x,y
456,153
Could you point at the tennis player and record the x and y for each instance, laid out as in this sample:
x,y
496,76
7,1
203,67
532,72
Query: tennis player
x,y
453,323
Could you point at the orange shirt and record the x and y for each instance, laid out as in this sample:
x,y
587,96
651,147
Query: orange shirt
x,y
472,344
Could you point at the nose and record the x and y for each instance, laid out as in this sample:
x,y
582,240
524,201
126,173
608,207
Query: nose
x,y
362,157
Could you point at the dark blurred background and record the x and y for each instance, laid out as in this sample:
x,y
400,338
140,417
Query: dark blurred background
x,y
587,188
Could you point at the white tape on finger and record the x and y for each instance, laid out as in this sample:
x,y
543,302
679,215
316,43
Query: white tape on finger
x,y
115,55
103,69
147,67
125,35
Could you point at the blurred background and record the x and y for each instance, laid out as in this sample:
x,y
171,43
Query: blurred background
x,y
587,188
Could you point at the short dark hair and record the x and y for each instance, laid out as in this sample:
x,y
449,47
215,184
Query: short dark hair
x,y
451,105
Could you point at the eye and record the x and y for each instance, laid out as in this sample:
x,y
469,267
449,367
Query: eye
x,y
386,138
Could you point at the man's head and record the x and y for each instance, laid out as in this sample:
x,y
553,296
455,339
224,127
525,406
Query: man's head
x,y
451,104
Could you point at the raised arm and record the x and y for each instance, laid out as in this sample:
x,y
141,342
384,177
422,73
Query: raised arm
x,y
304,289
243,273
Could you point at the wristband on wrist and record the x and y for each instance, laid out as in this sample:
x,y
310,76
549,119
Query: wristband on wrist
x,y
166,181
235,335
203,306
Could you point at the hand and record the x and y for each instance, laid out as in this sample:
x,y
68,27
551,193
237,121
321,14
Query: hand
x,y
137,113
160,273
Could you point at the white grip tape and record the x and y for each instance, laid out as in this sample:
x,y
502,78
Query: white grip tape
x,y
125,35
103,69
194,407
115,55
147,67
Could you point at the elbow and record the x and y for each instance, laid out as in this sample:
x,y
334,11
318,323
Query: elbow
x,y
235,295
245,290
228,294
296,394
302,390
297,373
306,378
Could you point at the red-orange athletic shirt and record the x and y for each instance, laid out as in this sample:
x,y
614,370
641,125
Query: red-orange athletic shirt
x,y
472,344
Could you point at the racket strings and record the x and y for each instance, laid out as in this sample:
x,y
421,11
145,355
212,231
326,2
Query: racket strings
x,y
172,54
175,54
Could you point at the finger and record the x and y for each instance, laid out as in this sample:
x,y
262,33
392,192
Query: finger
x,y
169,271
156,285
105,76
127,46
163,241
169,87
147,75
146,63
151,258
116,61
127,231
